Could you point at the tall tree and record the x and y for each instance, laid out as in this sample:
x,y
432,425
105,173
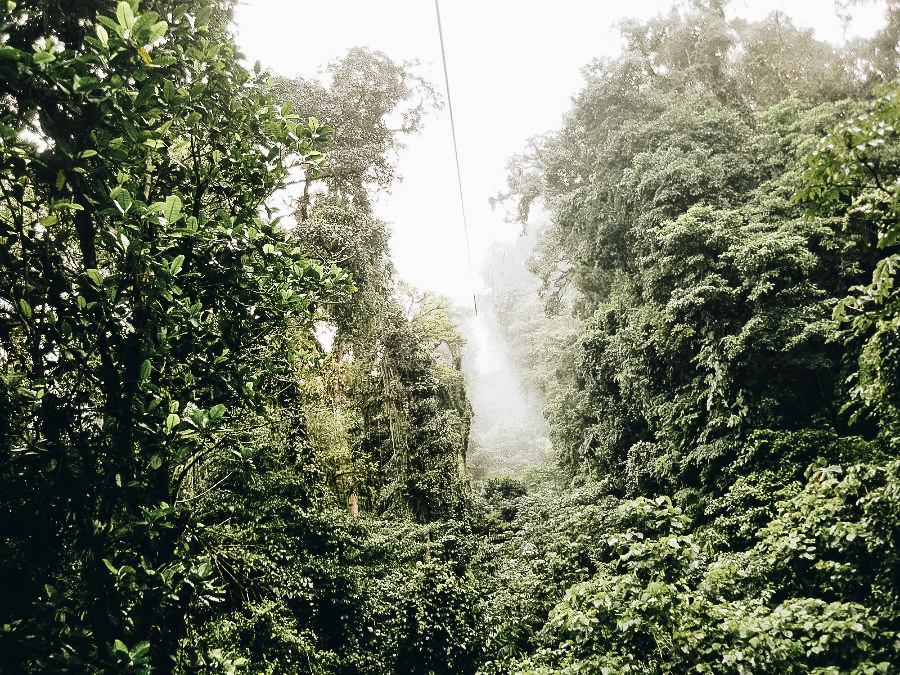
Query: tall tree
x,y
367,93
142,300
402,415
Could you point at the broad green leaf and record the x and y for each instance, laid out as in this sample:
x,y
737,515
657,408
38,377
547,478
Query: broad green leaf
x,y
87,153
172,208
122,199
268,248
217,412
119,646
198,418
61,204
125,15
155,461
172,420
139,649
103,35
111,24
146,368
145,56
176,264
143,22
26,308
95,276
44,57
157,30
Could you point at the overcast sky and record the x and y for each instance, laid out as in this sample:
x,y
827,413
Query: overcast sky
x,y
513,67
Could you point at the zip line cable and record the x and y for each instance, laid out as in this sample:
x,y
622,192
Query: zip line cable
x,y
462,201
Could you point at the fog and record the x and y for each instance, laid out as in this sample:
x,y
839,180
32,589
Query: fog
x,y
508,432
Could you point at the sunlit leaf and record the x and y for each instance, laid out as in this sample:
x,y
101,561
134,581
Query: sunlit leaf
x,y
66,204
172,208
125,15
172,420
157,30
44,57
121,198
95,276
176,264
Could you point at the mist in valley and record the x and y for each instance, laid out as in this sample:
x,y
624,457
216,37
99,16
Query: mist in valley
x,y
509,433
515,354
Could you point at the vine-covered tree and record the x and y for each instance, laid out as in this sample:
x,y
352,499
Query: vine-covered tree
x,y
398,416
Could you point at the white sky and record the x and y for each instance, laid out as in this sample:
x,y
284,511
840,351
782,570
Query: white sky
x,y
513,67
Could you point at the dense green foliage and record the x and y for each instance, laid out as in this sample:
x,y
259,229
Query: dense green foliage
x,y
194,482
730,411
172,498
147,308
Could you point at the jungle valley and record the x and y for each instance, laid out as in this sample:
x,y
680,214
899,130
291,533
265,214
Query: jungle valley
x,y
229,445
